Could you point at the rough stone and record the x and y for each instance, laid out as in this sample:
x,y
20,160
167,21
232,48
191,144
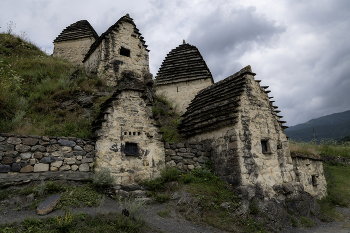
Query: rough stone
x,y
7,147
78,148
182,150
170,152
7,160
11,153
56,164
23,163
88,148
38,155
122,193
176,157
180,145
190,167
2,139
90,154
186,155
16,167
74,167
32,161
30,141
45,138
53,169
171,163
27,168
70,161
48,204
138,193
66,143
26,155
41,167
57,154
64,168
66,149
22,148
79,153
5,168
53,148
87,160
79,157
38,148
14,141
48,160
84,167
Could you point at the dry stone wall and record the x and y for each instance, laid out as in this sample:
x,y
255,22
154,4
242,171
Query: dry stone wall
x,y
37,154
185,156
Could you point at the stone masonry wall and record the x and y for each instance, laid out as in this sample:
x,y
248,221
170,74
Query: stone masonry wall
x,y
182,93
108,60
37,154
73,50
186,156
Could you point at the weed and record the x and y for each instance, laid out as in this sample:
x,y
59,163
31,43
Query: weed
x,y
162,197
307,222
64,222
295,222
253,208
27,191
164,213
103,178
40,189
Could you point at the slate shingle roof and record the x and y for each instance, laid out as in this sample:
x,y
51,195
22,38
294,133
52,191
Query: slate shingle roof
x,y
184,63
115,26
77,30
216,106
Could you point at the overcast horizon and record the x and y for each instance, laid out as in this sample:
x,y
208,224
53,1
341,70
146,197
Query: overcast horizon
x,y
300,49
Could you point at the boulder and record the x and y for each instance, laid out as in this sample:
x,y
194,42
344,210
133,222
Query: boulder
x,y
41,167
30,141
27,155
7,160
84,167
5,168
27,168
14,141
22,148
7,147
48,204
16,167
66,143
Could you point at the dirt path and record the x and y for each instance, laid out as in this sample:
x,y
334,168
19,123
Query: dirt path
x,y
149,212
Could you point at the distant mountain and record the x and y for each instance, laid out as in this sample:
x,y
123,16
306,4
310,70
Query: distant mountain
x,y
335,126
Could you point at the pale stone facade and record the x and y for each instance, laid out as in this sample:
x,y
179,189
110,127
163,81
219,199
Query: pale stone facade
x,y
128,140
182,93
120,48
73,50
249,146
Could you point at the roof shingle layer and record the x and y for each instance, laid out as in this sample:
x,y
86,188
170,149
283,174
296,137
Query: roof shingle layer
x,y
77,30
184,63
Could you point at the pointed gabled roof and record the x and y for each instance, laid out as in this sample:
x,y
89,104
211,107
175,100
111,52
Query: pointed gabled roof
x,y
78,30
115,26
184,63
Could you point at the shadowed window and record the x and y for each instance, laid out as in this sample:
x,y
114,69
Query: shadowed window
x,y
131,148
314,180
124,52
264,146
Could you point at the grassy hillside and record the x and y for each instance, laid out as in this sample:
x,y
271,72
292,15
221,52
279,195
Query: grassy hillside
x,y
33,86
334,126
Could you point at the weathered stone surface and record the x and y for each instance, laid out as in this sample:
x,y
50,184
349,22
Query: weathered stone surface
x,y
53,169
170,152
41,167
53,148
87,160
180,145
30,141
78,148
57,164
79,157
79,153
66,143
16,167
38,155
171,164
70,161
90,154
7,147
186,155
38,148
84,167
14,141
26,155
47,206
64,168
74,167
48,160
122,193
10,153
2,139
182,150
45,138
66,149
27,168
23,163
138,193
32,161
5,168
7,160
176,157
23,148
57,154
88,148
188,161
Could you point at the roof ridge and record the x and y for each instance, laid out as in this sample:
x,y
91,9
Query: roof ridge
x,y
81,28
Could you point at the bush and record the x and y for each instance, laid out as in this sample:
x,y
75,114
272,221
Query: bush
x,y
170,174
103,178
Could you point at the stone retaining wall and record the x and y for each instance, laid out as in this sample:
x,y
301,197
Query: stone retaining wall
x,y
186,156
26,154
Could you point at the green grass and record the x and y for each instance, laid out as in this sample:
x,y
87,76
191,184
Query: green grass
x,y
32,87
164,213
330,147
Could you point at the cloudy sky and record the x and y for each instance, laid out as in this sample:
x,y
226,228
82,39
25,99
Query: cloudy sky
x,y
301,49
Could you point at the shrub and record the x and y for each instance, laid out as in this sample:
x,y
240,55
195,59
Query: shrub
x,y
103,178
170,174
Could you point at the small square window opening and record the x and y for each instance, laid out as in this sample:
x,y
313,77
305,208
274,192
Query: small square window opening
x,y
124,52
131,148
264,146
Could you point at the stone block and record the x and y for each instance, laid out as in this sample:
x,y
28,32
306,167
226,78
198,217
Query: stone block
x,y
30,141
23,163
48,204
5,168
84,167
32,161
10,153
90,154
7,160
87,160
41,167
27,168
70,161
7,147
77,148
78,162
22,148
190,167
182,150
79,153
74,167
145,163
180,145
54,169
171,163
16,167
172,145
2,139
66,149
56,164
167,159
64,168
203,159
176,157
14,141
48,160
233,145
186,155
53,148
38,155
45,138
166,146
38,148
188,161
26,155
79,157
53,141
206,147
138,193
170,152
89,148
199,153
63,142
57,154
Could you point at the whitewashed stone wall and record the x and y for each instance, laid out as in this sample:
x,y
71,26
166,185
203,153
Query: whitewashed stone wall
x,y
129,121
106,60
182,93
73,50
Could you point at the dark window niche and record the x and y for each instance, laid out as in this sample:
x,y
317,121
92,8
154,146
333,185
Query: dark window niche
x,y
131,149
124,52
314,180
264,146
